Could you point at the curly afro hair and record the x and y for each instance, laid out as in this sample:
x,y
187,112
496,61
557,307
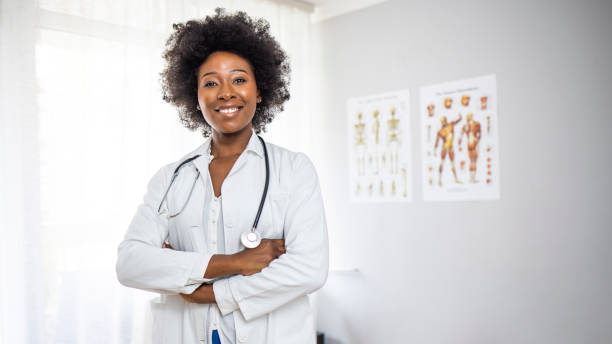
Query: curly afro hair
x,y
192,42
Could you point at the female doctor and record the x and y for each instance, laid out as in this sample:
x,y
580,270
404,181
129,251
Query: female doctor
x,y
233,234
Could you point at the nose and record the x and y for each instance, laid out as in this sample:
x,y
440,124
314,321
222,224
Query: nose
x,y
226,92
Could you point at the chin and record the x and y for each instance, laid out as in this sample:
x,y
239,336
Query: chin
x,y
232,129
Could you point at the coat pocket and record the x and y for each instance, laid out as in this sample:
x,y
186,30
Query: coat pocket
x,y
167,319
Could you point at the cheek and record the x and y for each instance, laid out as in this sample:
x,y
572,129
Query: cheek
x,y
205,97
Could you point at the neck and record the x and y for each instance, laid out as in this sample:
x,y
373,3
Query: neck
x,y
225,145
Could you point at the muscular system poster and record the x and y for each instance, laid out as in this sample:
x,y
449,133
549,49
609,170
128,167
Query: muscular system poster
x,y
460,144
379,148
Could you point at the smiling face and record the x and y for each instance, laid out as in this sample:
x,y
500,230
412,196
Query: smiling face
x,y
227,92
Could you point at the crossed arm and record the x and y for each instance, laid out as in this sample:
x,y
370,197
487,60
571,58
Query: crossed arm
x,y
246,262
143,263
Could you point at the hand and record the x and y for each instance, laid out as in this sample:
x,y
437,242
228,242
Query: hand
x,y
204,294
253,260
247,262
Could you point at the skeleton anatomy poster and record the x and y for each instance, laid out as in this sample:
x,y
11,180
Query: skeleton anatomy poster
x,y
460,145
379,148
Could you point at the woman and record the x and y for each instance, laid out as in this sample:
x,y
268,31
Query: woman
x,y
228,77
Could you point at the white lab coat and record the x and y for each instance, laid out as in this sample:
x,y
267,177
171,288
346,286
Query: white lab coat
x,y
269,307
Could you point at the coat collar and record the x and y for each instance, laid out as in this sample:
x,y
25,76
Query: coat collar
x,y
254,146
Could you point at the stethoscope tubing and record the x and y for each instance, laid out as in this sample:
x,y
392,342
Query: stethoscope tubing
x,y
174,175
265,192
178,168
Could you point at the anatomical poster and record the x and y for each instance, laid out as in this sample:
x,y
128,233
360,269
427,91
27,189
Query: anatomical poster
x,y
460,142
379,148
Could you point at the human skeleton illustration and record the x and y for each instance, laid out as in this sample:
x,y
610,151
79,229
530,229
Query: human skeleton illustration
x,y
405,178
376,131
378,140
393,141
360,145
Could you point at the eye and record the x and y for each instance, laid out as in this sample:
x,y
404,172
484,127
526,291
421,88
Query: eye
x,y
239,81
210,84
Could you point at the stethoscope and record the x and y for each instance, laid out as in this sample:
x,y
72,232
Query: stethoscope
x,y
250,239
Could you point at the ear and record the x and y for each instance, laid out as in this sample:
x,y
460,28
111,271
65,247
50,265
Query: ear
x,y
258,97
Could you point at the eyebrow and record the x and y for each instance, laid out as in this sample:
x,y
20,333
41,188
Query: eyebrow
x,y
233,70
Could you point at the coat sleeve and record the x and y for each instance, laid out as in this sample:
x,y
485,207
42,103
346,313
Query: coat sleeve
x,y
142,262
301,270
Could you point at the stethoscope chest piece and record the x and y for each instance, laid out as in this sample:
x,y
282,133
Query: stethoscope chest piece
x,y
250,239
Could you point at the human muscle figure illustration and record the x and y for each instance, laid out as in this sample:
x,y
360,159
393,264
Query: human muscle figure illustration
x,y
472,130
448,102
430,110
446,135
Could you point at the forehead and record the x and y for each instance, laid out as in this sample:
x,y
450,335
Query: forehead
x,y
223,61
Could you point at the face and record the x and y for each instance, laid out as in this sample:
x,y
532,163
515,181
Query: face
x,y
227,92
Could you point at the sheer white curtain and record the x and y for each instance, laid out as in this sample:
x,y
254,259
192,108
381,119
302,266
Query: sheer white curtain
x,y
83,127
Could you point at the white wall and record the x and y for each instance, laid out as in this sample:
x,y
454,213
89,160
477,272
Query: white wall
x,y
533,267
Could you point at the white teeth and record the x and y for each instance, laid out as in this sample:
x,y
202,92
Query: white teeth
x,y
228,110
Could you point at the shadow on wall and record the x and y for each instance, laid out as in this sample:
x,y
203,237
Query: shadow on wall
x,y
343,302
